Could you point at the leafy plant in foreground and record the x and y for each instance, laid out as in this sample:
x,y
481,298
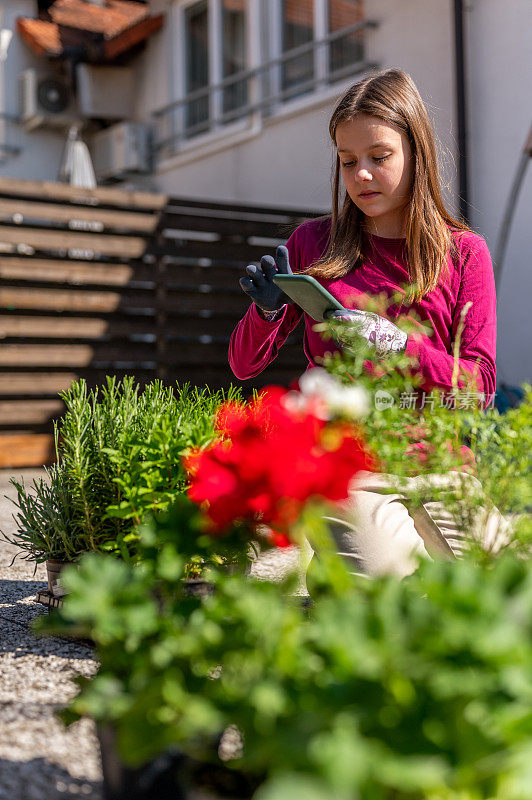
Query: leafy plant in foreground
x,y
384,690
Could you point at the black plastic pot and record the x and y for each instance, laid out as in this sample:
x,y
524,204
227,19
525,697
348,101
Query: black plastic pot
x,y
158,779
197,587
171,776
54,569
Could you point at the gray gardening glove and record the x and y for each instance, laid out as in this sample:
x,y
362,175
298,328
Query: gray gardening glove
x,y
259,285
378,331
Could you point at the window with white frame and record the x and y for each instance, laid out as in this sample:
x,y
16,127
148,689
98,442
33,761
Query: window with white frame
x,y
244,56
196,73
234,53
297,30
346,49
214,50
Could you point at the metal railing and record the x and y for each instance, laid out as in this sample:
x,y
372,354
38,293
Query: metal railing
x,y
264,89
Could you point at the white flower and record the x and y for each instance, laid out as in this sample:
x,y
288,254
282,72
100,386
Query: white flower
x,y
317,381
349,401
297,402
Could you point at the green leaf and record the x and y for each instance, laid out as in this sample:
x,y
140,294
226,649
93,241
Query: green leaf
x,y
289,786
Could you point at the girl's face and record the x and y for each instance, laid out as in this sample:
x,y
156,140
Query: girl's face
x,y
377,165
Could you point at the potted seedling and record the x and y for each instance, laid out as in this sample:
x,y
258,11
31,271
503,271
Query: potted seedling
x,y
46,529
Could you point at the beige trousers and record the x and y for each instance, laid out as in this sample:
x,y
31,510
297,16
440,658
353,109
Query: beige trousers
x,y
381,530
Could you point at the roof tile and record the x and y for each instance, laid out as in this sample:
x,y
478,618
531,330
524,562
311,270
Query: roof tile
x,y
42,37
120,23
110,20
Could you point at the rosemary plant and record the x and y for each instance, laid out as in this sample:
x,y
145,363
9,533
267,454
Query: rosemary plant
x,y
46,520
119,451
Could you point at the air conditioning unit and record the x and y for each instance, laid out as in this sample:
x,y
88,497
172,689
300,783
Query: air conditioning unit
x,y
106,92
121,150
44,100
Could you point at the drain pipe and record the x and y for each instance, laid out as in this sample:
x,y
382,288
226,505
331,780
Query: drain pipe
x,y
461,109
524,160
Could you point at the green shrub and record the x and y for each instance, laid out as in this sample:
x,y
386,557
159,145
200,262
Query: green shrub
x,y
501,443
119,455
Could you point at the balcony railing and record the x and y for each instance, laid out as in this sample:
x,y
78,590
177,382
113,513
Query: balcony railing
x,y
297,72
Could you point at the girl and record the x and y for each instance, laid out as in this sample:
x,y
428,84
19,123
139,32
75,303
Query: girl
x,y
391,230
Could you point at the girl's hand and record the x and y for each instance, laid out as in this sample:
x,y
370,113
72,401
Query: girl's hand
x,y
378,331
259,285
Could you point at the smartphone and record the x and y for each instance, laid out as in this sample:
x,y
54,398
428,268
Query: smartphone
x,y
309,294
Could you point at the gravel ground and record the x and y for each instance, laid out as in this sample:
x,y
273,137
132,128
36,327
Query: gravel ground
x,y
40,759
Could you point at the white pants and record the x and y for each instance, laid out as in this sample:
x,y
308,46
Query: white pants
x,y
379,532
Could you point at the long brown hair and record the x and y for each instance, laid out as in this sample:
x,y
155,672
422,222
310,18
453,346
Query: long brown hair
x,y
392,97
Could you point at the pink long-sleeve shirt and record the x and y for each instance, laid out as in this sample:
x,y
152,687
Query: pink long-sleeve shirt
x,y
255,342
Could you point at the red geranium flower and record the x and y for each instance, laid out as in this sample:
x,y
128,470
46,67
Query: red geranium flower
x,y
270,461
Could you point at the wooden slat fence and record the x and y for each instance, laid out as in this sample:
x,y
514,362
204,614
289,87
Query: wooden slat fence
x,y
99,282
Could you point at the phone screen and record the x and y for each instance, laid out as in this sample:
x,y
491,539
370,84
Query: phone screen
x,y
309,294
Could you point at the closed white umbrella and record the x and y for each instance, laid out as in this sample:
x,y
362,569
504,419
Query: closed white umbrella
x,y
76,166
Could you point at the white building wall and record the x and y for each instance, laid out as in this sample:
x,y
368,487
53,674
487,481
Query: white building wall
x,y
418,37
499,57
155,86
41,150
287,160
